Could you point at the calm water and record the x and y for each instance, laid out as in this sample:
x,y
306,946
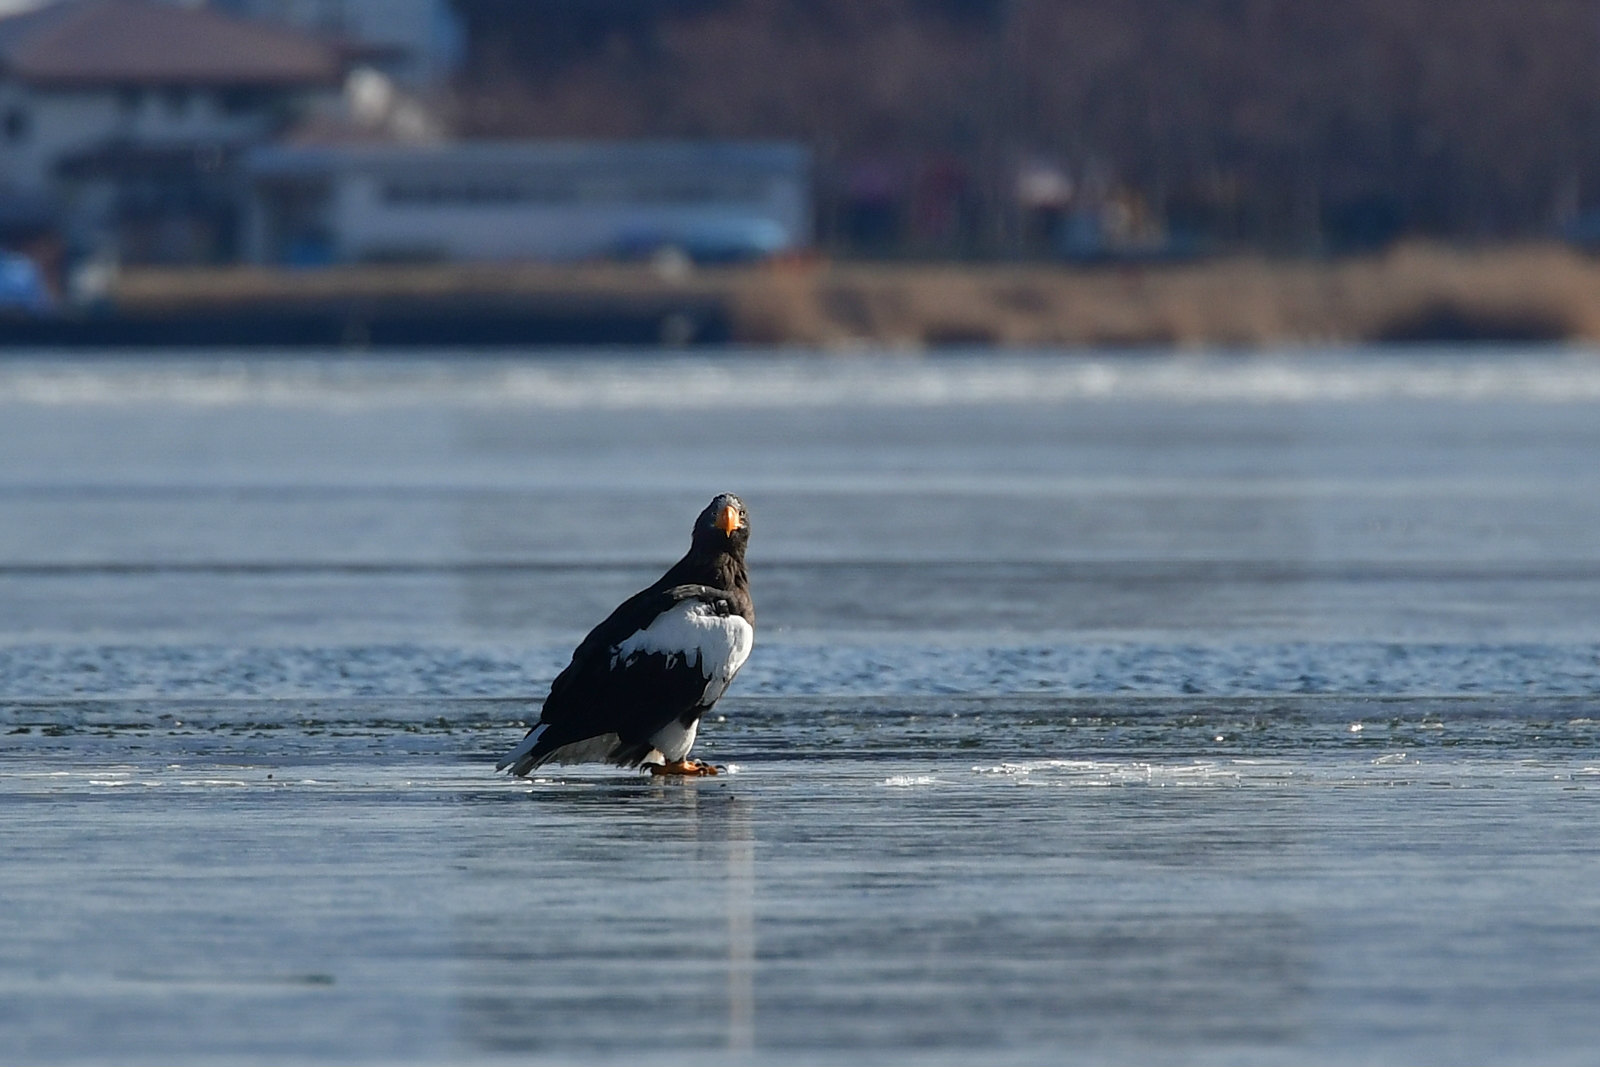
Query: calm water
x,y
1142,709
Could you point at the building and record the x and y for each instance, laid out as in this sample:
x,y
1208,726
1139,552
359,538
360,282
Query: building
x,y
146,132
551,201
125,119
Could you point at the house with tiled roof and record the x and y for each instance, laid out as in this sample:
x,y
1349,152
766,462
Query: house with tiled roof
x,y
164,133
123,118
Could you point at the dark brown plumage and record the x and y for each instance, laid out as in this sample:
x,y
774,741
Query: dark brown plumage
x,y
640,682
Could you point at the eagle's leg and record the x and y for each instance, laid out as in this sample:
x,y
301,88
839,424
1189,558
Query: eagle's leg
x,y
683,768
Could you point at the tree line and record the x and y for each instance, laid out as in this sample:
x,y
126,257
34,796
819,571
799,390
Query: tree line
x,y
1268,122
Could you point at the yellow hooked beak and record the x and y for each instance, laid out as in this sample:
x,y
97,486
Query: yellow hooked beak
x,y
728,519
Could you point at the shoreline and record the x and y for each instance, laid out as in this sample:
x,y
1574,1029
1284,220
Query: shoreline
x,y
1414,292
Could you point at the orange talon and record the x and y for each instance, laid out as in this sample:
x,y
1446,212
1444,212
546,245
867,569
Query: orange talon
x,y
682,768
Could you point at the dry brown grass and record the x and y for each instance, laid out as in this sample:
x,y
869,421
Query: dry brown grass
x,y
1414,291
1417,291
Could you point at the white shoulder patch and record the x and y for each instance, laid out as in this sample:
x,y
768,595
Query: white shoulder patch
x,y
695,634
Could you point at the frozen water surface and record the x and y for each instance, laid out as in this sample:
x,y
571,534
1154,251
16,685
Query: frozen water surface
x,y
1138,709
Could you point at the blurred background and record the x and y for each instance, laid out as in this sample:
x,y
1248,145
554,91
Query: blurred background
x,y
285,171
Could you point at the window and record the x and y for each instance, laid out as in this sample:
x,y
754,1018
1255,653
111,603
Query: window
x,y
239,101
18,124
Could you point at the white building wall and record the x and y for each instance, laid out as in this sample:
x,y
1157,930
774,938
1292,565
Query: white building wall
x,y
370,228
57,124
63,123
531,201
199,115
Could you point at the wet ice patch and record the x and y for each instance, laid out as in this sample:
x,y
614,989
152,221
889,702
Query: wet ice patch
x,y
1012,769
1102,773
